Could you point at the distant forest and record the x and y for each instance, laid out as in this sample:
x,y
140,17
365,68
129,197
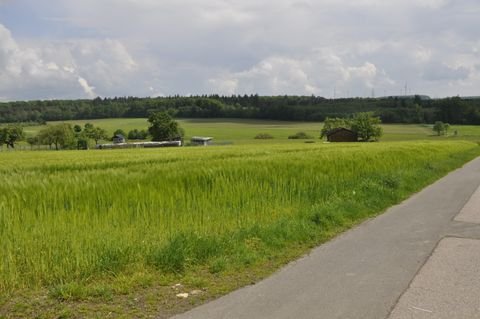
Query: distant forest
x,y
413,109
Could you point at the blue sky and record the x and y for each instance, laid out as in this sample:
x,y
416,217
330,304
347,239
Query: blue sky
x,y
82,49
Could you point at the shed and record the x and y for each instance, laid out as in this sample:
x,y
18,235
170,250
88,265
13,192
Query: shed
x,y
342,134
200,140
118,139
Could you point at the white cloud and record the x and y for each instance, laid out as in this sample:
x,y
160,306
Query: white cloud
x,y
422,55
124,47
220,15
318,73
43,70
154,92
366,73
89,90
224,85
69,69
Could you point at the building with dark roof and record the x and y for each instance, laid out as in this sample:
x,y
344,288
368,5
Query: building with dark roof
x,y
342,134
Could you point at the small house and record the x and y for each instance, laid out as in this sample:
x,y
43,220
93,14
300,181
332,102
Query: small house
x,y
342,134
203,141
118,139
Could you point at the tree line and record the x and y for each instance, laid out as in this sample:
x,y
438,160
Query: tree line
x,y
162,127
66,136
415,109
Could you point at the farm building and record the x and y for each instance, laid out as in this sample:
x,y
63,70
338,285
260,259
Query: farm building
x,y
118,139
139,145
199,140
342,134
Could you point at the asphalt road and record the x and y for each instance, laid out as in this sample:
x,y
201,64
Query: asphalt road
x,y
447,286
362,273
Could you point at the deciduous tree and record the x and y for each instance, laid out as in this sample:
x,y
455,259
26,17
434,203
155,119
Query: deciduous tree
x,y
441,128
11,134
95,133
367,126
32,141
163,127
60,135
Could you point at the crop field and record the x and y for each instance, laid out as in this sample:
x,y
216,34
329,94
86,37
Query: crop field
x,y
107,233
242,131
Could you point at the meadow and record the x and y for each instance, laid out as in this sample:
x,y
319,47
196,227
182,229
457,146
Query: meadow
x,y
243,131
109,232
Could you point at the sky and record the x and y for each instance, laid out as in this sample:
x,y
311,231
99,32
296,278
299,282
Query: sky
x,y
65,49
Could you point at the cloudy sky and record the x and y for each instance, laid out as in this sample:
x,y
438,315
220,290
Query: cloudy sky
x,y
81,49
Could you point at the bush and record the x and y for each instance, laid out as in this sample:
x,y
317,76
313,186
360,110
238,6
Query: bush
x,y
120,132
441,128
137,135
300,136
263,136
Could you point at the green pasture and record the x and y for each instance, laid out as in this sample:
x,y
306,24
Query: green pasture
x,y
94,229
240,131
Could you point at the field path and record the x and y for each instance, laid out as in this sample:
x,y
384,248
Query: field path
x,y
362,273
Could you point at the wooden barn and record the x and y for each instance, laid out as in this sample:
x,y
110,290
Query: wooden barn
x,y
342,134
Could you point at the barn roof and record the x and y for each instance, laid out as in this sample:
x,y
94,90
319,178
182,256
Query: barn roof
x,y
202,138
338,129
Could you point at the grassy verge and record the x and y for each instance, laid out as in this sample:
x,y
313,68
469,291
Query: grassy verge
x,y
96,234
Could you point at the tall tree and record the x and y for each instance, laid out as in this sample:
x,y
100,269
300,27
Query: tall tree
x,y
32,141
96,134
367,126
11,134
60,135
163,127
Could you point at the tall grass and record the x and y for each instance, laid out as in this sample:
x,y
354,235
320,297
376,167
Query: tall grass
x,y
73,216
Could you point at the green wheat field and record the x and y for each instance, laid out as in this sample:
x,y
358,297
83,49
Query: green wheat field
x,y
85,234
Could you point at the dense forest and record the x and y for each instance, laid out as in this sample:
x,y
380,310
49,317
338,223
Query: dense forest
x,y
413,109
